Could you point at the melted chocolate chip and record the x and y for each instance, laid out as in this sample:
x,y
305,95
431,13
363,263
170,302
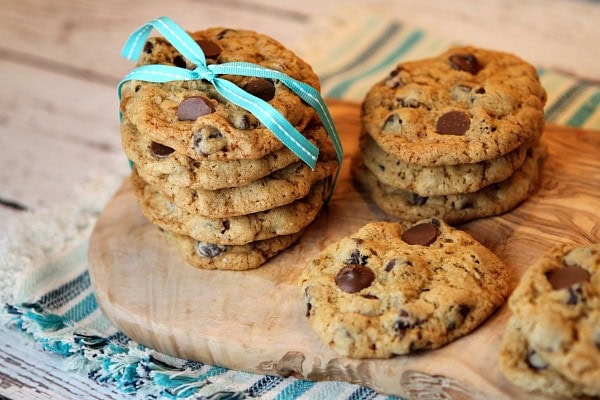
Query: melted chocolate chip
x,y
357,258
160,150
370,296
353,278
453,123
209,140
211,49
264,89
148,47
226,224
392,123
209,250
390,266
423,234
417,200
465,62
193,107
308,308
179,61
561,278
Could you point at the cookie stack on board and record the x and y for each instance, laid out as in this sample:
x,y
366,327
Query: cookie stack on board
x,y
552,342
455,136
221,186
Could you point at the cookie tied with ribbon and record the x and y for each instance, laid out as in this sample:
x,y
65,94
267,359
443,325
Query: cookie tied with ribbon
x,y
225,99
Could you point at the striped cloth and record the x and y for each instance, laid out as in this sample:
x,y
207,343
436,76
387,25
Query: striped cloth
x,y
47,250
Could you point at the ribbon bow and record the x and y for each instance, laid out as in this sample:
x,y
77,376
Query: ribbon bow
x,y
262,110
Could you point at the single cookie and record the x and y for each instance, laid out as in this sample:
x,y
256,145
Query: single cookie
x,y
464,106
438,180
524,367
180,170
239,230
491,200
277,189
395,288
236,258
192,118
557,303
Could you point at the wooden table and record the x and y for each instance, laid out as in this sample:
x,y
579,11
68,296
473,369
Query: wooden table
x,y
60,63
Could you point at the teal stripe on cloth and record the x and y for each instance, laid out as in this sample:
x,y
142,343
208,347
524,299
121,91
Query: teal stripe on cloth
x,y
388,35
386,64
554,110
82,309
585,111
296,389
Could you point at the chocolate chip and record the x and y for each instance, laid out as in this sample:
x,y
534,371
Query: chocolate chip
x,y
226,224
160,150
390,266
209,250
148,47
464,310
417,200
308,308
422,234
179,61
575,294
370,296
465,62
224,33
453,123
535,361
392,123
480,90
209,140
262,88
211,49
561,278
409,102
353,278
193,107
357,258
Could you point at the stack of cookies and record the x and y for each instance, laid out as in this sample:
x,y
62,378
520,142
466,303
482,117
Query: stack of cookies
x,y
455,136
218,183
552,342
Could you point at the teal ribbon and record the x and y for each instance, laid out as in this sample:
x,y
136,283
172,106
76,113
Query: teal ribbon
x,y
262,110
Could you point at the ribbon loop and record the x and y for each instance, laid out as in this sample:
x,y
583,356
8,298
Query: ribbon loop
x,y
262,110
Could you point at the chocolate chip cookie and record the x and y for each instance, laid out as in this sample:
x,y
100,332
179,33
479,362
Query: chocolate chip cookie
x,y
225,257
243,229
180,170
428,181
193,119
526,368
557,304
464,106
493,199
395,288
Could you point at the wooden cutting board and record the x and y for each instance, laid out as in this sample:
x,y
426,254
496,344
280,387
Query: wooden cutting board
x,y
255,320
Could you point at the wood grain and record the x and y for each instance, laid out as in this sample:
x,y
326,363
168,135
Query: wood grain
x,y
254,320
